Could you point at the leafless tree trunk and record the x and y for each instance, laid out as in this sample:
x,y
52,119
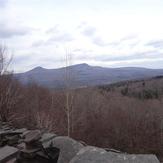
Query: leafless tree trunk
x,y
8,87
69,81
5,60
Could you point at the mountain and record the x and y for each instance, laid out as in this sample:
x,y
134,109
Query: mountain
x,y
83,75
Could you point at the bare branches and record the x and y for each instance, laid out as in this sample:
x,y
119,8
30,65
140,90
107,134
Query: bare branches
x,y
69,85
5,59
8,87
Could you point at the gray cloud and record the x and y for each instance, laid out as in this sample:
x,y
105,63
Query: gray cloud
x,y
3,3
56,35
9,31
156,44
81,25
38,43
21,59
134,56
53,29
65,37
57,38
120,58
129,37
98,41
89,31
131,41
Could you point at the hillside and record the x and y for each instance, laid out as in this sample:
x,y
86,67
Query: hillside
x,y
150,88
82,75
126,116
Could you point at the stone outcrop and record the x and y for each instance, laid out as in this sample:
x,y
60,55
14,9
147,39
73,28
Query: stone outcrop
x,y
97,155
26,146
7,153
68,148
34,146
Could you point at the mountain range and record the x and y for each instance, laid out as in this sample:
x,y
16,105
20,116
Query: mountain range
x,y
83,75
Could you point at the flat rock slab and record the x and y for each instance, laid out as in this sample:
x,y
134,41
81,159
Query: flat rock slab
x,y
12,161
10,132
7,153
97,155
32,136
68,148
46,139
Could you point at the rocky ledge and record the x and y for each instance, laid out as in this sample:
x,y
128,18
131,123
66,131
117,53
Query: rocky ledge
x,y
34,146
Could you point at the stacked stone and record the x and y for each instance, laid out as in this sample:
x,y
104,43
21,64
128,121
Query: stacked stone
x,y
32,146
9,140
22,146
36,150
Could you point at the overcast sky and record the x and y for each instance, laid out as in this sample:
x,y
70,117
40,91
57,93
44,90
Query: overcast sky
x,y
111,33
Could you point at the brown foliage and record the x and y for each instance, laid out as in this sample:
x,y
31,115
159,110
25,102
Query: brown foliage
x,y
105,119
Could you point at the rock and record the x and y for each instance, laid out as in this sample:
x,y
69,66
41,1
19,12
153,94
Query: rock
x,y
7,153
9,137
47,136
112,150
21,146
46,139
25,133
21,130
97,155
68,148
12,161
37,148
32,136
12,140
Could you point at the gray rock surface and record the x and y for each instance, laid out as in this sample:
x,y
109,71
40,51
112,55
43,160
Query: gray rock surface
x,y
34,146
7,153
32,136
68,148
46,139
97,155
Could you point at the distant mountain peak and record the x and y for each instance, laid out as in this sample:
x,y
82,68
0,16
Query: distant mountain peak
x,y
37,69
80,65
84,64
86,75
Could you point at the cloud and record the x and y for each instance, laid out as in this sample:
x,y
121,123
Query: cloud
x,y
65,37
62,38
58,38
89,31
53,29
98,41
135,56
130,41
129,38
92,56
38,43
156,44
57,34
21,59
3,3
8,31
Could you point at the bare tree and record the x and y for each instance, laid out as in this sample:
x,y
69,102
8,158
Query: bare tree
x,y
8,87
69,84
5,60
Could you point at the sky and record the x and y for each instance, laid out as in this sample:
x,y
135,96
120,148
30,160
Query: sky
x,y
108,33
